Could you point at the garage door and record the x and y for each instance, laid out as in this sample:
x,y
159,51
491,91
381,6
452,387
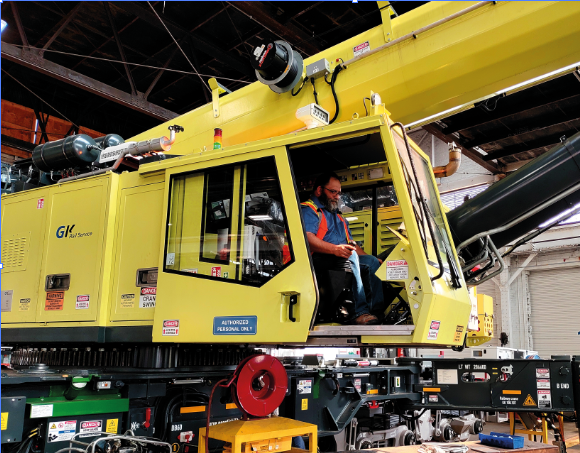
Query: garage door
x,y
555,317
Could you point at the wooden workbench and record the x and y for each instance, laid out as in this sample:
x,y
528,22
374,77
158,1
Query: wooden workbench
x,y
529,446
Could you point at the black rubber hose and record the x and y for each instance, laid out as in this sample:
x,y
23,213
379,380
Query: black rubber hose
x,y
332,83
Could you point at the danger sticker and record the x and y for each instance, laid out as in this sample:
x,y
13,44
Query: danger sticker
x,y
147,297
357,384
361,48
216,271
127,300
543,383
82,302
40,203
544,399
397,270
54,301
433,330
90,428
61,431
433,398
543,373
170,327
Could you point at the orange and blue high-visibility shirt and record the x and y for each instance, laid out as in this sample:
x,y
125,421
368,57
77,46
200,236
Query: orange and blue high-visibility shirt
x,y
329,227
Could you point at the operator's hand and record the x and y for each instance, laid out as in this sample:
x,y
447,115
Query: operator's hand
x,y
343,250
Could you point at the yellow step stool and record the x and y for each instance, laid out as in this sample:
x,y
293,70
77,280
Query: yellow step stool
x,y
264,435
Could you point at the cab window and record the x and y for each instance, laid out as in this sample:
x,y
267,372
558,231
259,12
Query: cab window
x,y
228,223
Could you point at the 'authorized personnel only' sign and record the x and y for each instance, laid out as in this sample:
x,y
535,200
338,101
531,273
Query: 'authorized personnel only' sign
x,y
235,325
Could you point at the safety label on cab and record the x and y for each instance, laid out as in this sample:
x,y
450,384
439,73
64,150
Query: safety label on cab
x,y
304,386
82,302
235,325
24,304
397,270
4,421
61,431
127,300
7,300
147,297
543,373
544,399
433,330
361,48
433,398
88,429
54,301
170,327
457,336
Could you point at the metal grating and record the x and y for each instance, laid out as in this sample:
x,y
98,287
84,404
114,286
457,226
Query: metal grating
x,y
15,253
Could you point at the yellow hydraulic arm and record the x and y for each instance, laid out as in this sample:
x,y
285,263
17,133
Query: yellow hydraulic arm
x,y
436,57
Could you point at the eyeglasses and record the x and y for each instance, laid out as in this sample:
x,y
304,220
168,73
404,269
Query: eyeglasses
x,y
333,192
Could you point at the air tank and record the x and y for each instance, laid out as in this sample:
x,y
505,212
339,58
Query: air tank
x,y
532,185
69,152
109,140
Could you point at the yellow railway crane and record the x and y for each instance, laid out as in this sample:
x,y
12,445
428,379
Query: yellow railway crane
x,y
209,246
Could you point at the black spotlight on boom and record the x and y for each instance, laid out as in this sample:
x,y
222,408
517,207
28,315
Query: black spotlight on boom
x,y
278,66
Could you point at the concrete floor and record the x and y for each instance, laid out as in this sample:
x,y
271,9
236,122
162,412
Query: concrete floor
x,y
571,433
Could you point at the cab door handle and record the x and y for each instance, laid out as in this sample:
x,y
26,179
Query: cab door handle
x,y
293,301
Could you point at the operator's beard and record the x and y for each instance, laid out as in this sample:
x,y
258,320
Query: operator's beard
x,y
330,205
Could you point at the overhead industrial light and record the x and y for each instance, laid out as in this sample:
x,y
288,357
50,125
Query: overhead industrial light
x,y
3,26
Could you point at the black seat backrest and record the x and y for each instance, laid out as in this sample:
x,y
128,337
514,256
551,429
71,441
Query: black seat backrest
x,y
334,278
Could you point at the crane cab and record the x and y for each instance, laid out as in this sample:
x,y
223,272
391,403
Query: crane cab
x,y
235,265
210,247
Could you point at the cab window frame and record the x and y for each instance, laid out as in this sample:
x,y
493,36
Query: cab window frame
x,y
204,171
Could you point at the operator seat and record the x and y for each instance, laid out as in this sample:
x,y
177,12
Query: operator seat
x,y
334,278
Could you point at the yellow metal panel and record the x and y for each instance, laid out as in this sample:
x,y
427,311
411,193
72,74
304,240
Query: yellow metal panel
x,y
23,223
484,305
391,217
194,301
487,50
80,209
138,240
361,228
433,301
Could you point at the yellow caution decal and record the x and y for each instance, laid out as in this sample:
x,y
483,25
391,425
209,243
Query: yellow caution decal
x,y
112,425
4,421
529,401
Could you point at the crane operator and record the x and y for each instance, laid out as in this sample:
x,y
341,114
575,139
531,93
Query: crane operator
x,y
328,233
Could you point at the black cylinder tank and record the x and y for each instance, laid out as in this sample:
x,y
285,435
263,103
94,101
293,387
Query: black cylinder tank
x,y
69,152
109,140
535,183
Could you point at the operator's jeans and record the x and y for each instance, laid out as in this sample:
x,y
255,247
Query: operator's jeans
x,y
375,302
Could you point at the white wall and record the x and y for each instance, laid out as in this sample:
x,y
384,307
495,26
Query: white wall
x,y
469,173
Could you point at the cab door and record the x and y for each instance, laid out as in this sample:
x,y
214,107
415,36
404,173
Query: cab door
x,y
234,264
